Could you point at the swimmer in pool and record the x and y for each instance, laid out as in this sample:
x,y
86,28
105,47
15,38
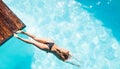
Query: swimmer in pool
x,y
45,45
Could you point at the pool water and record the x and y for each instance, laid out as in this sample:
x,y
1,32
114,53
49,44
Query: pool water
x,y
85,28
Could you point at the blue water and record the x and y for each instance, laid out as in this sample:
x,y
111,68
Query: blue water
x,y
89,29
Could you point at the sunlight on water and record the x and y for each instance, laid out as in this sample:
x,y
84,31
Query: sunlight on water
x,y
72,28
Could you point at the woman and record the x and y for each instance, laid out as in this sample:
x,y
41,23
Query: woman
x,y
45,45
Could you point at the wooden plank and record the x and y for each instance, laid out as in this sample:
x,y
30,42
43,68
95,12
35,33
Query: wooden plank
x,y
10,18
4,29
1,39
9,23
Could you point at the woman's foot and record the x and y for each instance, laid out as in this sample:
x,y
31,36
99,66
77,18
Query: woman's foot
x,y
15,35
19,31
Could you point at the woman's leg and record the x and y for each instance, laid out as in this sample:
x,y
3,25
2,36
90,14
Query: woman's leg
x,y
34,37
37,44
28,34
25,40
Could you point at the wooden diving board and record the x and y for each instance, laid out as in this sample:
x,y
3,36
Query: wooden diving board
x,y
9,23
